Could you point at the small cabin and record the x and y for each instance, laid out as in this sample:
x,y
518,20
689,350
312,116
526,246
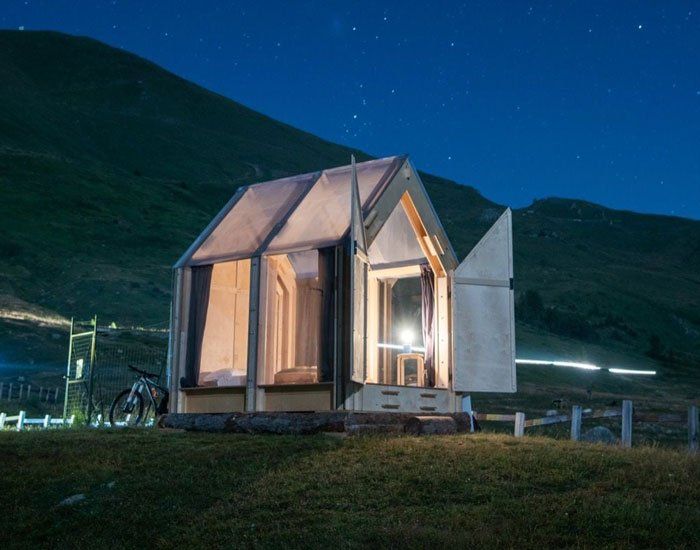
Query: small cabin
x,y
340,290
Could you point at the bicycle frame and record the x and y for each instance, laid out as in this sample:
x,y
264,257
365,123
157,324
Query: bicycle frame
x,y
144,383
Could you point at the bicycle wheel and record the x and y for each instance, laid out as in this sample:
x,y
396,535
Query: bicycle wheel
x,y
124,412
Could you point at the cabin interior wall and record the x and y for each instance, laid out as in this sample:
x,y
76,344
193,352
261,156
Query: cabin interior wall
x,y
223,360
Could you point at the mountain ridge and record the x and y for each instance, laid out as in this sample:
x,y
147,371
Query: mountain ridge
x,y
112,165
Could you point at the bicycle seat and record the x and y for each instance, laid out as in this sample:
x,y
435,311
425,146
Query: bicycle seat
x,y
143,372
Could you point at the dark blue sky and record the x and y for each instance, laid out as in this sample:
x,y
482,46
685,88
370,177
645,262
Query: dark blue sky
x,y
523,100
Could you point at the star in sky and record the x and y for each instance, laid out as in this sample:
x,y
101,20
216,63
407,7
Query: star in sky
x,y
497,98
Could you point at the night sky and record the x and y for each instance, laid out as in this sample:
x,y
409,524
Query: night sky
x,y
523,100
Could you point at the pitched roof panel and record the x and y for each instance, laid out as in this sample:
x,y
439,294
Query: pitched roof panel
x,y
323,216
295,213
246,226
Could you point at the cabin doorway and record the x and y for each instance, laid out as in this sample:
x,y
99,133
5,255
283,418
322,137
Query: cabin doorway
x,y
404,334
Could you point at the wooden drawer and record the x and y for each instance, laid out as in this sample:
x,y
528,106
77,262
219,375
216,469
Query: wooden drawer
x,y
376,397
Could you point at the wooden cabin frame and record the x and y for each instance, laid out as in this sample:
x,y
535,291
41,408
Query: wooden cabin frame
x,y
264,296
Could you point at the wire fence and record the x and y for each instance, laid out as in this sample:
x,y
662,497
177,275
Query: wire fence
x,y
98,360
112,357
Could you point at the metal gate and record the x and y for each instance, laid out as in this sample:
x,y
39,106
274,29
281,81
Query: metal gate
x,y
79,372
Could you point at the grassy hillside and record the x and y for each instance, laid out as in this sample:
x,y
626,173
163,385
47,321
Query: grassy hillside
x,y
211,490
110,166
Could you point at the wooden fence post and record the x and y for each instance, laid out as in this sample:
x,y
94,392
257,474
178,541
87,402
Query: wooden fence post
x,y
519,424
20,420
693,429
576,422
21,390
55,397
29,392
2,387
626,423
467,408
3,416
9,393
47,421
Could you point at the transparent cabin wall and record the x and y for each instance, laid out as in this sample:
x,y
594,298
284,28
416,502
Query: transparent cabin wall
x,y
292,293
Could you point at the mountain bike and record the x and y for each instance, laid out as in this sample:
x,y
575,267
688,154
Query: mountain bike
x,y
128,406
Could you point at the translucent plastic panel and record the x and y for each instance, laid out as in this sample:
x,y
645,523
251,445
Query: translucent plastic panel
x,y
396,243
323,217
252,218
305,264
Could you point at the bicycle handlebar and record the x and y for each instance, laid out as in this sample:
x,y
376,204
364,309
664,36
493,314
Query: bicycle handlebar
x,y
143,372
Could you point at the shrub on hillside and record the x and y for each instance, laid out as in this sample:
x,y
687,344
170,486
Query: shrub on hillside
x,y
9,249
531,309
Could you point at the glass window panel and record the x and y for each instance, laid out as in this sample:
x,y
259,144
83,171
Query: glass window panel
x,y
293,292
224,357
399,327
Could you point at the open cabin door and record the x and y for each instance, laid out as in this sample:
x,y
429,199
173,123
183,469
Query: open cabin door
x,y
483,320
358,283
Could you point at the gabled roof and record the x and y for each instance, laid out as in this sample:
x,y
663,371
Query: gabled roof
x,y
304,212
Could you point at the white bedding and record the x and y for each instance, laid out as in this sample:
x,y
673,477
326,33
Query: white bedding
x,y
225,377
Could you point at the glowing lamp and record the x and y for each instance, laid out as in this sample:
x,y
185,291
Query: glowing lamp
x,y
406,339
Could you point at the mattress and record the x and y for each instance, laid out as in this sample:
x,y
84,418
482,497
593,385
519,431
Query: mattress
x,y
223,377
297,375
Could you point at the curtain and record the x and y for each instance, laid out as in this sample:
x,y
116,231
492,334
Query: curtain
x,y
326,276
427,285
199,303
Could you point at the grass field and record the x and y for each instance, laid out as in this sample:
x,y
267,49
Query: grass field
x,y
159,489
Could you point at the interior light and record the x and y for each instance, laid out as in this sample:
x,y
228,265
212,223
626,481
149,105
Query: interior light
x,y
406,339
396,346
389,346
633,371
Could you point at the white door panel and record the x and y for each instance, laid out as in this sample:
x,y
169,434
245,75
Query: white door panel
x,y
483,320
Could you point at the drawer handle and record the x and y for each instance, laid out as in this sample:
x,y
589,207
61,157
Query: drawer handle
x,y
390,392
387,406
